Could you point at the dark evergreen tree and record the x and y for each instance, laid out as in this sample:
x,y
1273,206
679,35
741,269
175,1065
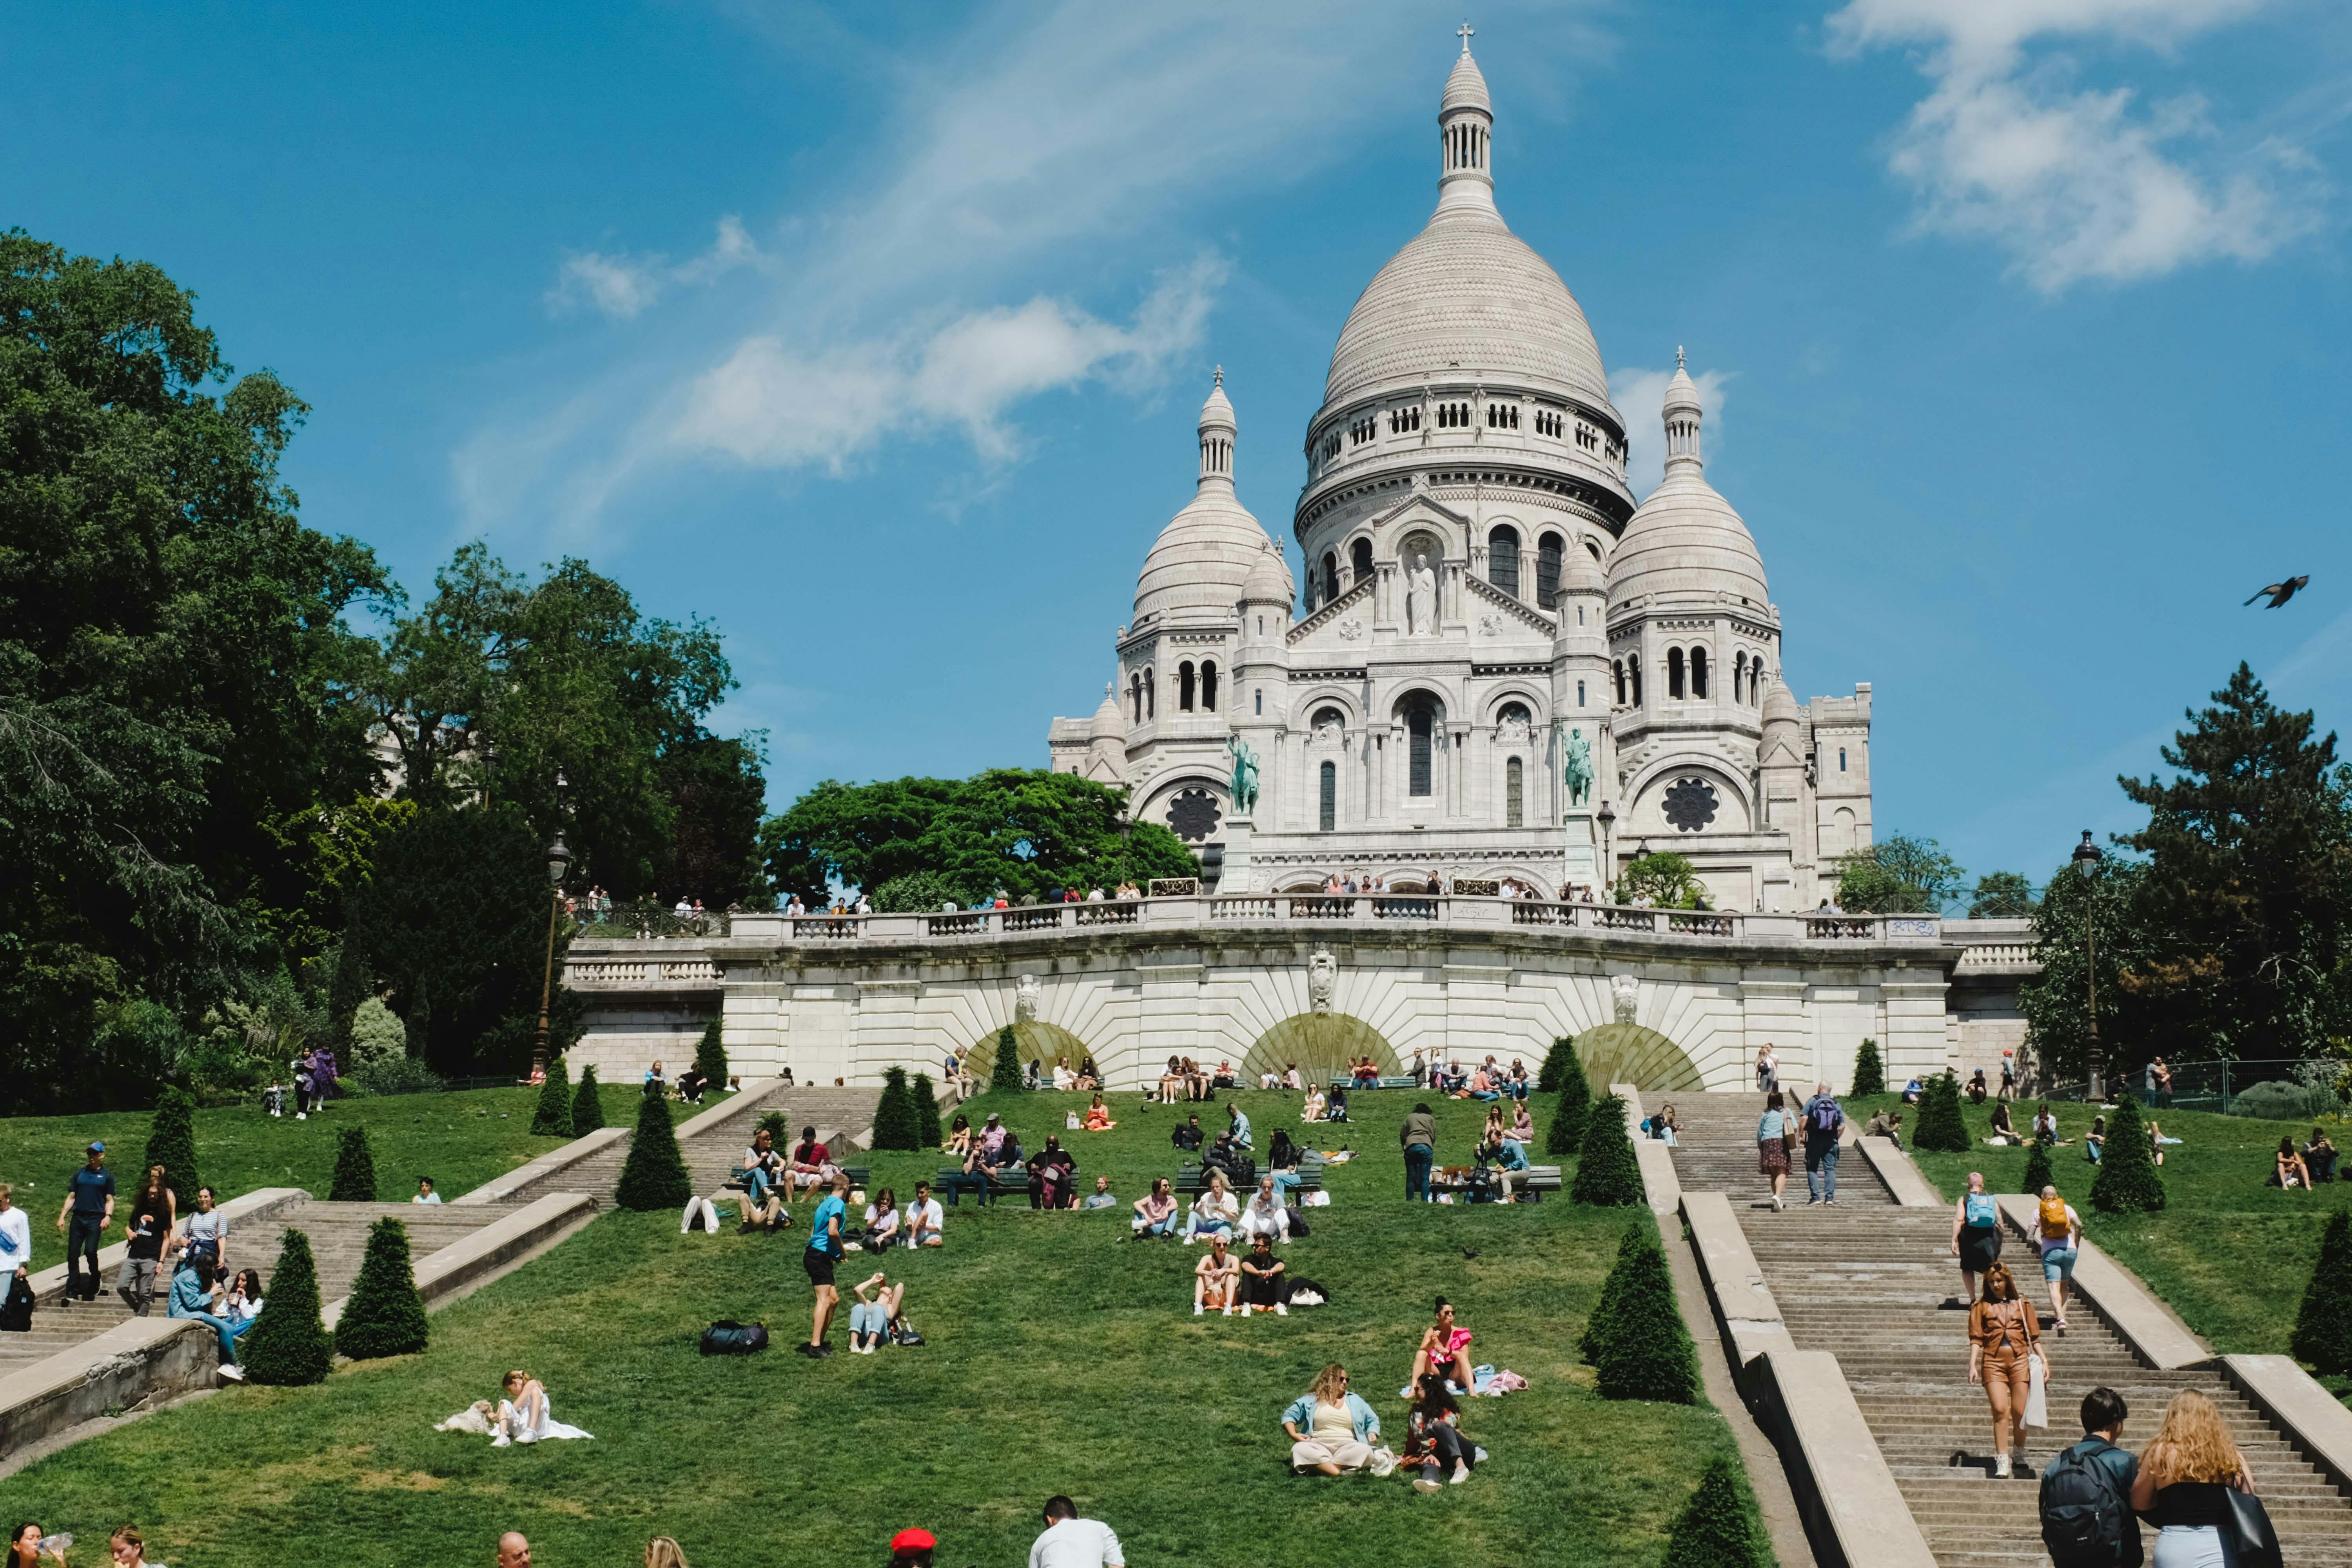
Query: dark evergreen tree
x,y
1561,1055
289,1344
926,1113
1570,1118
587,1106
384,1315
2323,1329
354,1168
1940,1127
2038,1174
2128,1181
1607,1173
554,1117
710,1054
1005,1077
1718,1527
1600,1326
1869,1074
778,1130
172,1143
654,1177
1645,1351
894,1114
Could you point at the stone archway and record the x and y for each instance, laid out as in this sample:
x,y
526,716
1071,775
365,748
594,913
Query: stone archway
x,y
1321,1044
1037,1042
1628,1052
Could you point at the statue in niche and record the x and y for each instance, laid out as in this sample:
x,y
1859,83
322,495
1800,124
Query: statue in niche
x,y
1245,780
1026,992
1576,766
1322,976
1420,595
1625,991
1329,731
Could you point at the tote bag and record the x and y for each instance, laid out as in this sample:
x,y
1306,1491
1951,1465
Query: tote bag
x,y
2250,1530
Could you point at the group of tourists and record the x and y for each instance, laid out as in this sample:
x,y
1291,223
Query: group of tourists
x,y
1187,1080
2181,1485
1334,1430
1817,1126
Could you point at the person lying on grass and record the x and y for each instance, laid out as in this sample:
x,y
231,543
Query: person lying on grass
x,y
1215,1280
871,1315
1262,1278
1331,1430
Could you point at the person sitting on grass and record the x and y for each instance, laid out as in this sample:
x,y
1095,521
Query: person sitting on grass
x,y
1215,1212
1052,1176
2319,1157
1316,1102
883,1221
1977,1089
871,1315
525,1415
1336,1108
1332,1431
1101,1198
1156,1215
2094,1142
2288,1170
2004,1131
1440,1354
1239,1126
1433,1442
690,1085
1172,1082
924,1218
1098,1117
1886,1124
1913,1091
2045,1128
1523,1123
1262,1282
1189,1136
1265,1217
1216,1279
959,1136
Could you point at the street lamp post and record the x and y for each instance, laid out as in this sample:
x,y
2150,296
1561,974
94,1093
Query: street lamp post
x,y
2087,856
1608,820
559,860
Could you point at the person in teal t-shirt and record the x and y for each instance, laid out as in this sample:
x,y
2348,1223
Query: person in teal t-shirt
x,y
824,1251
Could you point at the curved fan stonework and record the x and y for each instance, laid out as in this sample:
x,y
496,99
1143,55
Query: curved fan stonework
x,y
1690,805
1192,815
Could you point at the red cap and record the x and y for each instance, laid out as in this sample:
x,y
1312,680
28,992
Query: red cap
x,y
912,1541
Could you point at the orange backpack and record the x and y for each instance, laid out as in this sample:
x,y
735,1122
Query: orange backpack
x,y
2053,1218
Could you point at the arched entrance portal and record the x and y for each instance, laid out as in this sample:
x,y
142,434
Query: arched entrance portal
x,y
1628,1052
1321,1044
1038,1042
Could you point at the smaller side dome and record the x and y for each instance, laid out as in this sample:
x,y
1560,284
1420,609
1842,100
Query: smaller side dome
x,y
1109,723
1579,572
1269,580
1779,705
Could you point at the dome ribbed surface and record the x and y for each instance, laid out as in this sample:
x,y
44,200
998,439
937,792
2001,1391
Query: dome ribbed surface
x,y
1269,580
1687,542
1466,291
1109,723
1779,704
1201,558
1466,88
1579,573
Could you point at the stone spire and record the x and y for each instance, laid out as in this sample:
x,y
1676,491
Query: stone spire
x,y
1682,418
1465,122
1218,429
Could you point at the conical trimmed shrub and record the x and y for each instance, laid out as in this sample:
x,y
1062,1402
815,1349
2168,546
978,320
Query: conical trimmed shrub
x,y
710,1054
1005,1076
1645,1351
1561,1056
926,1113
354,1168
2323,1329
1607,1175
894,1114
1600,1326
554,1117
289,1346
2128,1181
1719,1528
654,1177
1570,1118
2038,1174
172,1143
587,1104
1940,1127
778,1130
384,1315
1869,1073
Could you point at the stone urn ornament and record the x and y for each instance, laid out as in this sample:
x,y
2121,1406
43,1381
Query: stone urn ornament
x,y
1625,991
1026,991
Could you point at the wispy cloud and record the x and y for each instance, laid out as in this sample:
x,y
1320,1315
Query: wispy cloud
x,y
1641,398
621,286
2078,184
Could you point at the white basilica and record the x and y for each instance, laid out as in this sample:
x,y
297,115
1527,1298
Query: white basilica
x,y
1503,667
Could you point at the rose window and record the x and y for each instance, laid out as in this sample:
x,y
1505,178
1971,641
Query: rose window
x,y
1690,805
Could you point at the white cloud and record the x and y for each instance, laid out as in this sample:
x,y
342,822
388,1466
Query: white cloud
x,y
622,285
2075,183
1641,398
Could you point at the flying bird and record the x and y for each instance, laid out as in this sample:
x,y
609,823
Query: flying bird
x,y
2279,592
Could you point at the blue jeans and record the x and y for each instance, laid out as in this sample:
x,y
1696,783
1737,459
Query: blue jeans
x,y
81,1241
227,1330
867,1319
955,1187
1821,1167
1418,1158
1166,1226
1284,1181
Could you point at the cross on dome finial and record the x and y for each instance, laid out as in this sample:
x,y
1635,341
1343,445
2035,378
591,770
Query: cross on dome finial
x,y
1463,33
1221,375
1678,356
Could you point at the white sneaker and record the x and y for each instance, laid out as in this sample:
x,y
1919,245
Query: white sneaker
x,y
1198,1308
1428,1483
233,1372
1280,1310
2000,1467
1461,1474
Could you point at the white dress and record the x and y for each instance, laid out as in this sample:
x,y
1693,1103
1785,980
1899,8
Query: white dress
x,y
531,1421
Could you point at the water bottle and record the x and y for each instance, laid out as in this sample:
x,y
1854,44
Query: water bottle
x,y
53,1545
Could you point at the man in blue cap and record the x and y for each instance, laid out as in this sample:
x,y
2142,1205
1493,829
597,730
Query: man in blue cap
x,y
89,1201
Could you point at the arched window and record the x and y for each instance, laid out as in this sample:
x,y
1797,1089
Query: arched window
x,y
1331,577
1209,686
1261,703
1514,796
1359,560
1503,560
1739,676
1150,694
1673,673
1698,673
1618,669
1547,572
1421,729
1633,673
1184,686
1579,694
1756,680
1327,811
1841,759
1135,696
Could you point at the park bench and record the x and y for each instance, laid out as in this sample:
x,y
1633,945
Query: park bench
x,y
1192,1180
1005,1180
1401,1080
739,1178
1456,1179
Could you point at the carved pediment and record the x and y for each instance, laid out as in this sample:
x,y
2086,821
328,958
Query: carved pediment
x,y
1526,615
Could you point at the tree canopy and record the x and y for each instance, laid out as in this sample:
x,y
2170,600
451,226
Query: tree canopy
x,y
1670,881
1899,875
2002,896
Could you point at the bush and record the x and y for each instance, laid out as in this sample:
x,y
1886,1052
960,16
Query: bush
x,y
172,1143
2283,1102
554,1117
1570,1118
1642,1349
289,1344
926,1113
654,1177
774,1124
894,1114
377,1034
2128,1181
354,1168
394,1074
1607,1175
2038,1174
384,1316
1940,1127
587,1106
1717,1529
2323,1329
1005,1076
919,893
1869,1073
1557,1061
709,1057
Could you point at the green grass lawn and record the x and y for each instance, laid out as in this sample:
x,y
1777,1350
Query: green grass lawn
x,y
2230,1253
1063,1357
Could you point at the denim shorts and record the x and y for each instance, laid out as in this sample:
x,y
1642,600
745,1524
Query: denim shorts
x,y
2057,1264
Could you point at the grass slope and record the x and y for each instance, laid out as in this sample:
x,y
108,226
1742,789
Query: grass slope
x,y
1063,1357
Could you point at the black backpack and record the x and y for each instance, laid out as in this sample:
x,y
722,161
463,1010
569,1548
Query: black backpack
x,y
728,1336
2084,1511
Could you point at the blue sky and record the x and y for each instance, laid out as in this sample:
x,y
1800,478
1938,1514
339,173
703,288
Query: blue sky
x,y
876,334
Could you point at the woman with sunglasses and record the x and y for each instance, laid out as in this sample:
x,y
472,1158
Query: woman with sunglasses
x,y
1331,1430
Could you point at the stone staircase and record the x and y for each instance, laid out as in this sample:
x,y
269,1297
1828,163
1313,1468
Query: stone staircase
x,y
712,1155
1873,1284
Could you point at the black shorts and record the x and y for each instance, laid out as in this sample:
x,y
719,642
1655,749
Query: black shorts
x,y
819,1264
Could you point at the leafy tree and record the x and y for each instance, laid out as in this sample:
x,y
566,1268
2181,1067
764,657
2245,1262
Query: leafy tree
x,y
587,1105
384,1315
894,1114
2104,898
289,1344
926,1113
1005,1078
1023,831
1899,875
915,893
1561,1056
377,1034
354,1180
717,795
1940,1127
2128,1181
1718,1527
2002,896
2038,1174
710,1054
552,1116
2323,1327
172,1143
1671,881
1869,1074
1642,1350
1607,1173
655,1175
1574,1114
